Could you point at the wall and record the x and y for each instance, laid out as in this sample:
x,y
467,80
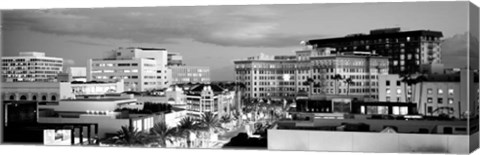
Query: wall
x,y
378,125
30,89
365,142
83,106
106,124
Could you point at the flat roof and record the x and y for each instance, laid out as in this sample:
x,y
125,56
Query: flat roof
x,y
98,99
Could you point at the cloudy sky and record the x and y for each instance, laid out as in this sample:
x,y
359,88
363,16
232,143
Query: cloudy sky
x,y
216,35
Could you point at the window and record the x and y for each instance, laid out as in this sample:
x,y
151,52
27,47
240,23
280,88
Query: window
x,y
450,91
440,91
429,100
53,98
429,109
387,83
440,100
450,100
398,83
429,91
399,91
34,97
23,97
388,90
44,98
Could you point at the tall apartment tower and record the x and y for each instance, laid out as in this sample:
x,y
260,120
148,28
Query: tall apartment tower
x,y
408,51
141,68
31,67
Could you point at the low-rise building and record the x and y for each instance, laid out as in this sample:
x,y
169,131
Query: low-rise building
x,y
435,94
203,98
100,111
69,90
190,74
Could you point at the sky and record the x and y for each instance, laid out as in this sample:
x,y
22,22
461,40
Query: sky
x,y
214,36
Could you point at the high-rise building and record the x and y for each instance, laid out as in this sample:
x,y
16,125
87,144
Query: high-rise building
x,y
140,68
407,50
31,67
190,74
312,71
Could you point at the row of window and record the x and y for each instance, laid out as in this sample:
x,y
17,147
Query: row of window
x,y
34,59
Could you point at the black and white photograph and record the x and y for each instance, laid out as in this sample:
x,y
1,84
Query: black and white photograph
x,y
372,77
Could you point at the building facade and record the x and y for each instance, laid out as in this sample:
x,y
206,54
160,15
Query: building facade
x,y
203,98
190,74
69,90
435,95
312,71
141,68
31,91
174,59
408,50
31,67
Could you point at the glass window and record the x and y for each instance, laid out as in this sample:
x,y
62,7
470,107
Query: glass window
x,y
388,90
450,100
399,91
440,91
387,83
429,100
450,91
429,91
440,100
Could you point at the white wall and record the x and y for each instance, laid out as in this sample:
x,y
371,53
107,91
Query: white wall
x,y
83,106
366,142
105,123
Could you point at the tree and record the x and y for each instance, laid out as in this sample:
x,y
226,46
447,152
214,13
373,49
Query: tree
x,y
310,83
161,133
337,78
128,136
210,122
226,119
186,126
349,81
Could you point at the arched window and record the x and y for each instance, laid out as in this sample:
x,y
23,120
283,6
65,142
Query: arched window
x,y
12,97
34,97
23,98
44,98
54,98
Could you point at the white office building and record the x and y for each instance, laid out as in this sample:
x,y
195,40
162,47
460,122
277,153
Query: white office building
x,y
141,68
31,67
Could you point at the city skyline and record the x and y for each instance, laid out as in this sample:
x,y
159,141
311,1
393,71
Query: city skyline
x,y
215,36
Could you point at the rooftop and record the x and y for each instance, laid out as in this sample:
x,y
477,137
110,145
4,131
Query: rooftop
x,y
379,33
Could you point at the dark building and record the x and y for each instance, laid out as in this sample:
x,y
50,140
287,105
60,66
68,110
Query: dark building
x,y
407,50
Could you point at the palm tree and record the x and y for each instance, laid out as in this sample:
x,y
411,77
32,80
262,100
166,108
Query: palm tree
x,y
337,78
310,83
349,81
226,119
209,123
128,136
161,133
186,126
